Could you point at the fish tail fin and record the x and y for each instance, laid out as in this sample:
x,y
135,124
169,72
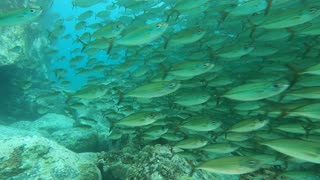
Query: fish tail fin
x,y
110,47
307,127
121,95
171,13
269,5
84,45
218,95
292,34
166,42
294,77
164,71
253,28
223,17
112,124
69,97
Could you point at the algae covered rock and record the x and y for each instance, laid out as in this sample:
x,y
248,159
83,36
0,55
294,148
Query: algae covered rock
x,y
152,162
32,157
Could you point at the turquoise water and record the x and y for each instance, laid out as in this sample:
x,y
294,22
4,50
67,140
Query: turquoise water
x,y
230,87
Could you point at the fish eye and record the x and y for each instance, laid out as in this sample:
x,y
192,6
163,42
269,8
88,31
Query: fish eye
x,y
159,25
172,85
312,10
32,10
252,163
153,114
276,85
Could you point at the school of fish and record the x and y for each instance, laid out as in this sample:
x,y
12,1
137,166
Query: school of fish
x,y
232,86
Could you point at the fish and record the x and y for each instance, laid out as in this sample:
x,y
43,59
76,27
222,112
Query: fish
x,y
268,160
84,3
220,81
300,149
297,128
256,91
220,148
290,18
249,7
115,134
140,119
154,89
103,14
156,131
109,31
85,15
315,70
235,136
191,143
235,51
183,5
306,92
201,123
249,125
143,34
190,68
20,16
313,29
311,110
231,165
183,37
90,92
172,137
191,98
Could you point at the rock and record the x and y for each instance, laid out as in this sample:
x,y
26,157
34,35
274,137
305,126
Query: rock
x,y
32,157
53,122
152,162
77,139
7,132
89,138
26,125
46,125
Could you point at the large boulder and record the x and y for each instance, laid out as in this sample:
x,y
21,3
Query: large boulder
x,y
77,139
33,157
